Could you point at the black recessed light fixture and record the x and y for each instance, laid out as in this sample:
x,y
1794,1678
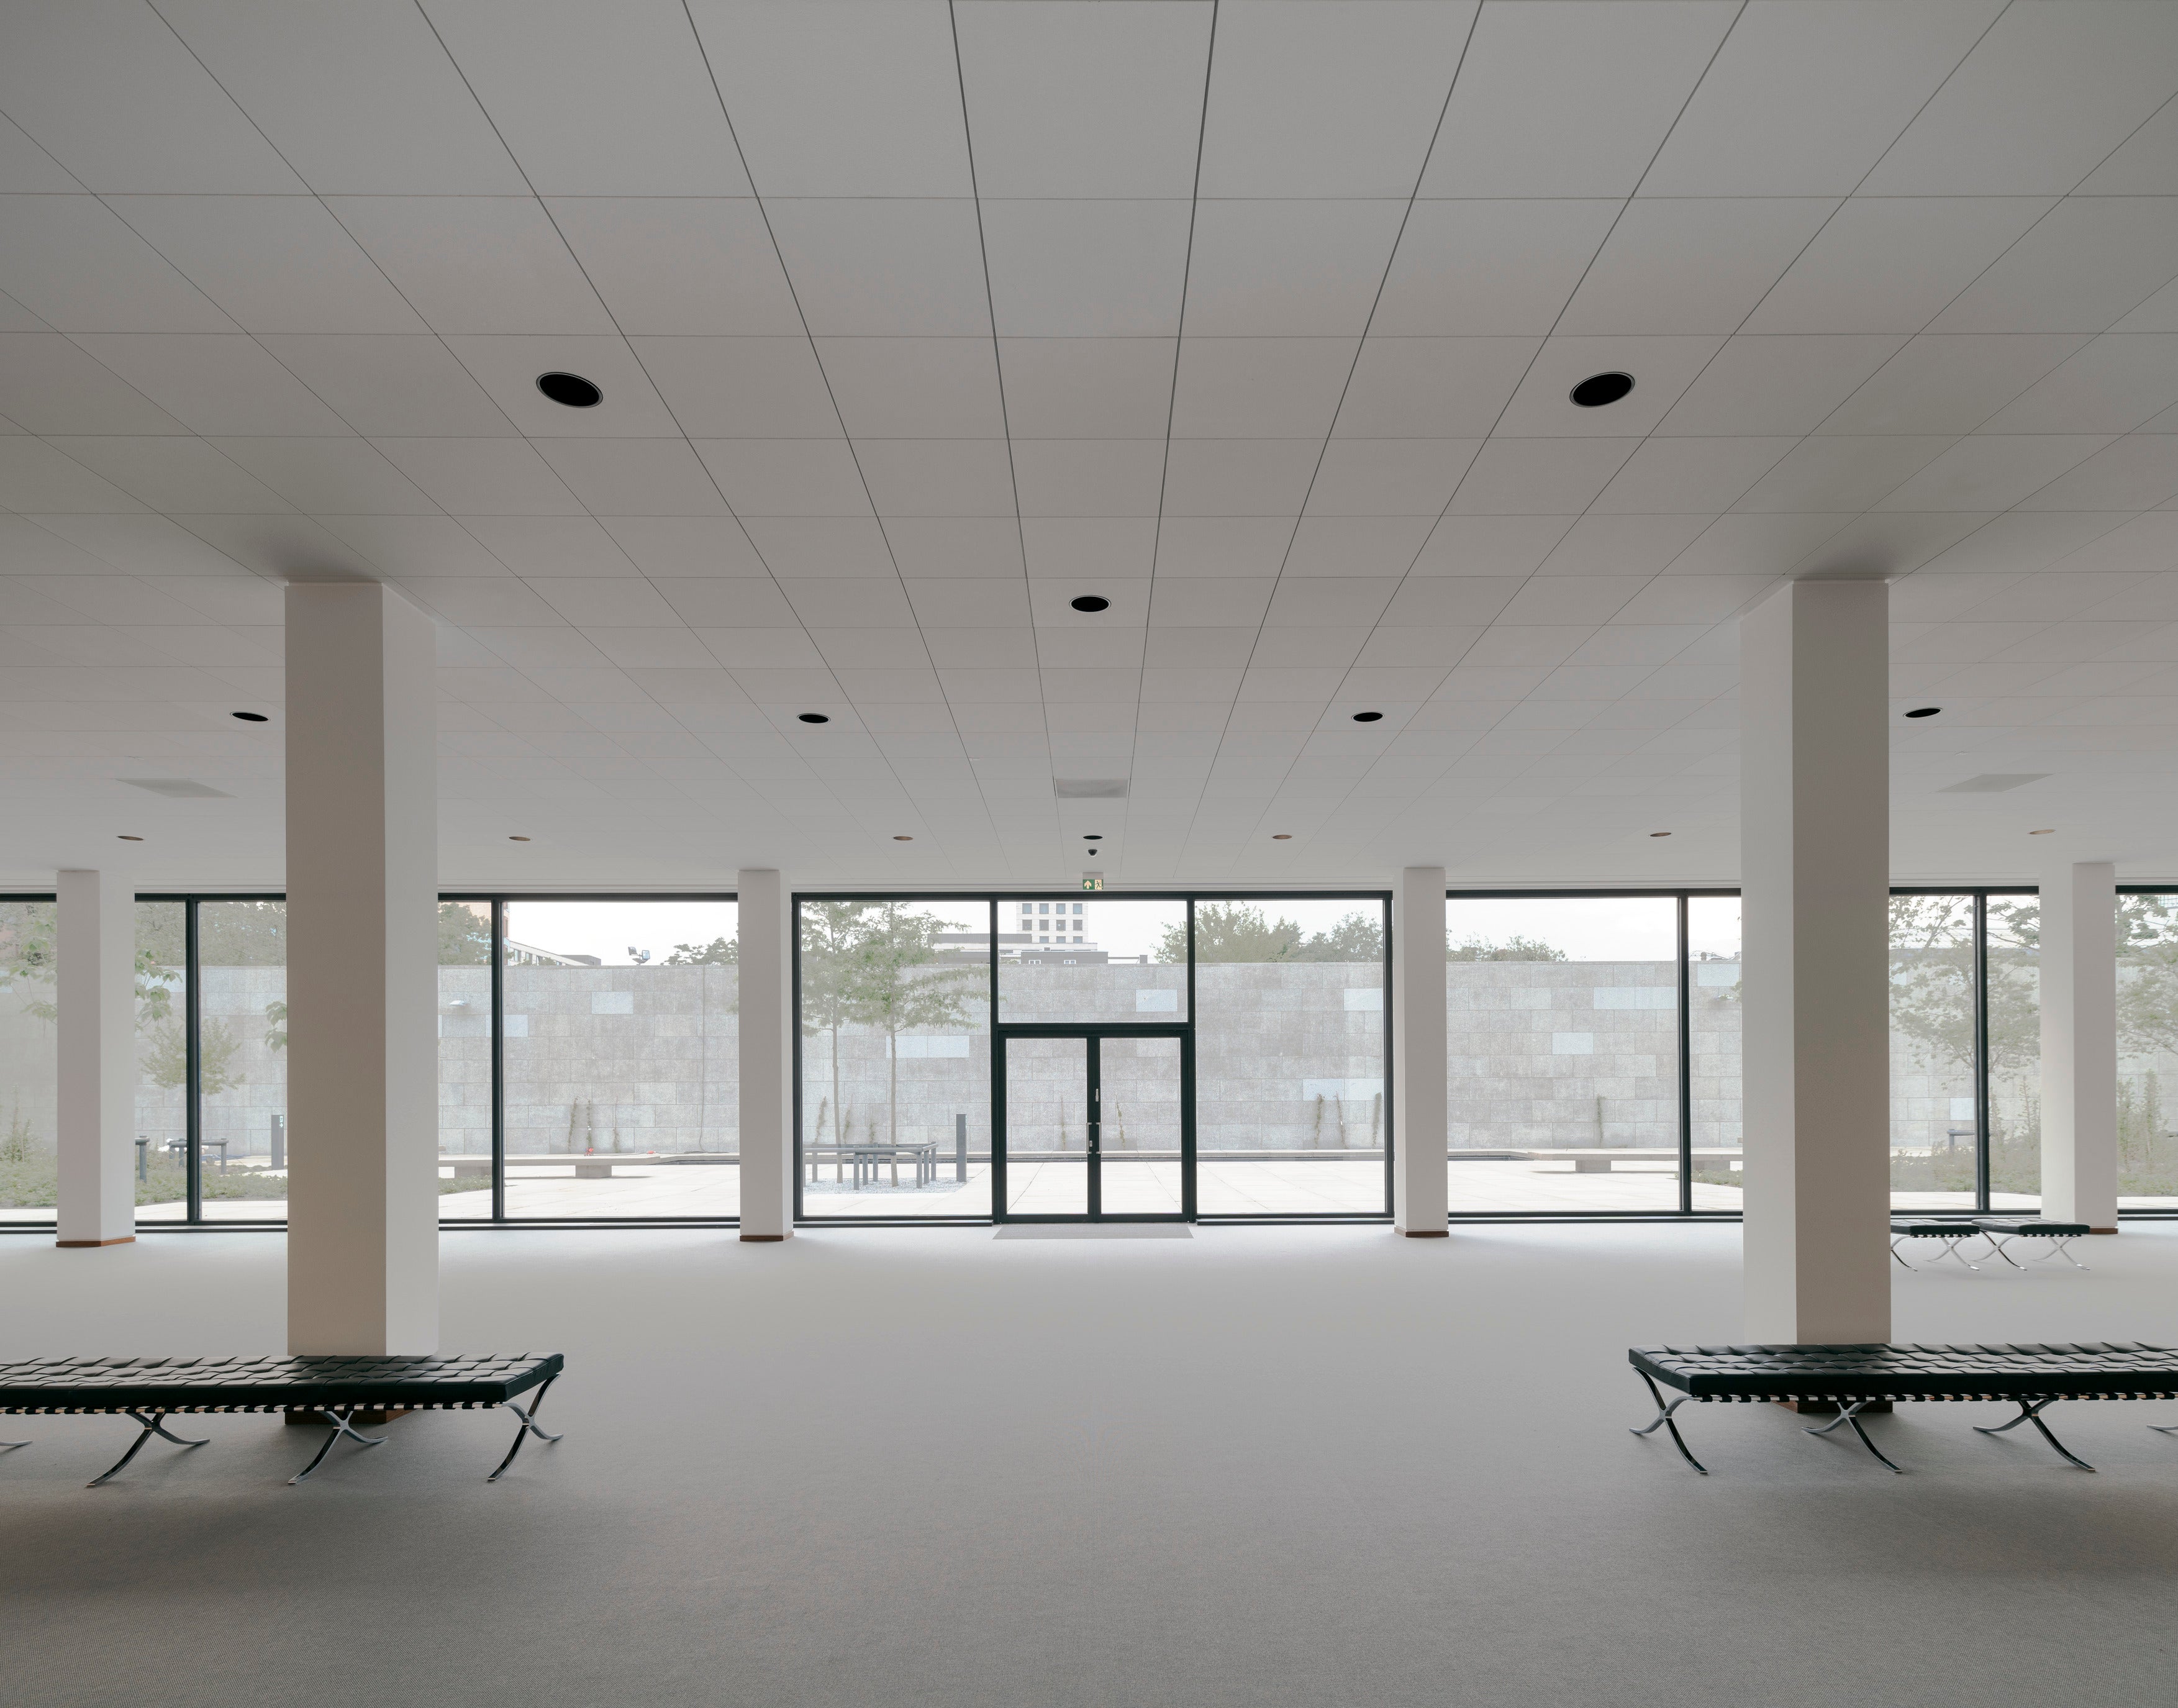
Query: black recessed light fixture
x,y
130,838
572,390
813,718
903,839
1092,836
1598,388
1368,717
517,838
1092,602
250,717
1660,833
1281,835
1924,711
2051,831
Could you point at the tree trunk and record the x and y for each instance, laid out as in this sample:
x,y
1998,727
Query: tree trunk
x,y
892,1099
837,1129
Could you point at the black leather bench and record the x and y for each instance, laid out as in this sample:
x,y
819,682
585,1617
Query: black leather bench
x,y
150,1390
1951,1233
2002,1230
1852,1378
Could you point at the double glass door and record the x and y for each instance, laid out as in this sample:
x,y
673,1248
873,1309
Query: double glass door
x,y
1095,1123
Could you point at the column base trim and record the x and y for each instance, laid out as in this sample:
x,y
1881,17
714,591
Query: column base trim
x,y
762,1238
2102,1230
1427,1233
125,1240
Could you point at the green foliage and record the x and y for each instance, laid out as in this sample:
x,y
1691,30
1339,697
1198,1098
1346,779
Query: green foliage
x,y
164,1059
464,936
1514,948
1234,931
874,964
21,1142
26,962
719,951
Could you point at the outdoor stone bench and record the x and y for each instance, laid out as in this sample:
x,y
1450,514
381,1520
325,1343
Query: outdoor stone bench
x,y
1852,1378
336,1389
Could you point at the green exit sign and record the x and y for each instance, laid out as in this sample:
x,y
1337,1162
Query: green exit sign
x,y
1091,881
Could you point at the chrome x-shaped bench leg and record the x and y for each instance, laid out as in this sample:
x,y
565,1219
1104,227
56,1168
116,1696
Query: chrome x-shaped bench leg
x,y
2031,1413
1899,1255
154,1426
529,1426
1663,1419
339,1420
1851,1414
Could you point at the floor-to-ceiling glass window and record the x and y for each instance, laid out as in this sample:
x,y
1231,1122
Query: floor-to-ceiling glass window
x,y
242,1059
895,1046
29,1066
2148,1051
2012,1050
162,1062
1713,1050
1563,1056
1291,1107
1935,1033
621,1053
466,1071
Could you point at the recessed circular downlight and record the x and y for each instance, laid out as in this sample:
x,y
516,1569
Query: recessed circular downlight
x,y
812,718
570,390
1660,833
1092,836
128,839
1368,717
2051,831
903,839
1924,712
1092,602
517,838
250,717
1282,837
1600,389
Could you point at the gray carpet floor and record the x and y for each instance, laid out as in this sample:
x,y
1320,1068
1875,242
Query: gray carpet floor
x,y
1264,1466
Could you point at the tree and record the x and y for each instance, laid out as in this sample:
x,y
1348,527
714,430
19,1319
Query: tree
x,y
166,1062
830,930
464,934
1515,948
1234,931
719,951
892,984
27,964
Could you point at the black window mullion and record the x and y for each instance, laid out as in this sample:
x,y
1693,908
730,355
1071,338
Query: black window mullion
x,y
1981,1049
192,1066
498,1059
794,1043
1686,1071
1391,1067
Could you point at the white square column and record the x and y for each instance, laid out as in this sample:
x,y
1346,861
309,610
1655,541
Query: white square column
x,y
362,1068
1815,806
767,1037
2079,1044
95,993
1420,1172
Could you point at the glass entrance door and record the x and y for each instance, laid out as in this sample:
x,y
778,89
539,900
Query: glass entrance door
x,y
1094,1124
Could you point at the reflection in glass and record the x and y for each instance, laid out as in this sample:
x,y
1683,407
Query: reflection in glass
x,y
1047,1126
621,1053
1092,960
895,1004
1932,1123
1290,1100
1563,1072
2147,1052
29,1066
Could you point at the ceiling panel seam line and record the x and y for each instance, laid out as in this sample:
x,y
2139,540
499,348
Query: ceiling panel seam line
x,y
763,213
1323,447
1005,425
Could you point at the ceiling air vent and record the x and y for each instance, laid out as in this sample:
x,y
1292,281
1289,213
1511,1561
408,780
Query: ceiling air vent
x,y
1994,782
1090,788
178,788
